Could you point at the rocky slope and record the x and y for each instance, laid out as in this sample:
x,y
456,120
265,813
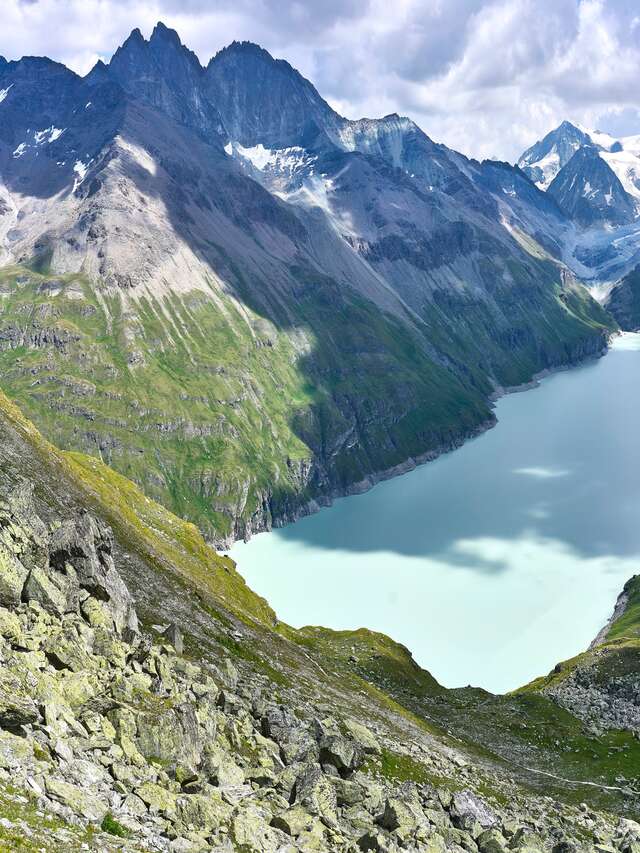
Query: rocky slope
x,y
150,701
589,191
623,301
249,304
601,685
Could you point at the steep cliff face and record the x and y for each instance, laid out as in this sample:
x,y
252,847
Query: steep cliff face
x,y
623,301
246,302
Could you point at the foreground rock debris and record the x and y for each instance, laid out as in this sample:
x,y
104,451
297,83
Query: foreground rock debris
x,y
123,742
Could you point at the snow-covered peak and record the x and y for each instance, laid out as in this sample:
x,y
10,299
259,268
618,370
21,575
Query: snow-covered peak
x,y
600,139
543,161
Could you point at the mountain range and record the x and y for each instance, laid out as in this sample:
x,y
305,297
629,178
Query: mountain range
x,y
250,304
221,302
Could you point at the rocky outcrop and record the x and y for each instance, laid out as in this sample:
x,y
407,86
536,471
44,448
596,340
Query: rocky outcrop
x,y
597,694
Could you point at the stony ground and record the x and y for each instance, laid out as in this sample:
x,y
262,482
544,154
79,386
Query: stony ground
x,y
112,739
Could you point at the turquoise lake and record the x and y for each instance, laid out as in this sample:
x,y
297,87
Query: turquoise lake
x,y
494,562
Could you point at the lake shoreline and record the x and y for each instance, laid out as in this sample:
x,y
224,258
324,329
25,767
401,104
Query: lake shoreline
x,y
492,538
362,486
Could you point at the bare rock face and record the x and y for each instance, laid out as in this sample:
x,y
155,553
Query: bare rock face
x,y
62,568
86,545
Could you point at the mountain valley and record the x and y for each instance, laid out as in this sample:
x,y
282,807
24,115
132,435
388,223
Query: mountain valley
x,y
222,306
252,303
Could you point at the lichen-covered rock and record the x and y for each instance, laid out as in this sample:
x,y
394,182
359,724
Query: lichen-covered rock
x,y
251,833
10,626
294,821
362,736
341,753
56,592
77,799
23,543
17,708
67,649
203,811
14,750
221,768
491,841
315,792
172,736
13,576
158,798
87,545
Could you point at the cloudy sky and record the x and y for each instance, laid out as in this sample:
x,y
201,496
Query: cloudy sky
x,y
487,77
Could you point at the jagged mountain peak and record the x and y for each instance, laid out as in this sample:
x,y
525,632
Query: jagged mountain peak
x,y
169,76
239,51
243,47
163,43
135,36
161,32
567,125
589,191
98,74
264,100
543,160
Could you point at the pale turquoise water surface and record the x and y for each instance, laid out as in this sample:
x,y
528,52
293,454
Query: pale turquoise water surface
x,y
493,562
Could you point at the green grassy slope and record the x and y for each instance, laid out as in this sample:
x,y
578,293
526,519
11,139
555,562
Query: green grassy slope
x,y
230,419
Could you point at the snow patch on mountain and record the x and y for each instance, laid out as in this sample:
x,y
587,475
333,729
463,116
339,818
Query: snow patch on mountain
x,y
281,160
4,93
49,134
549,166
599,139
80,169
373,136
626,165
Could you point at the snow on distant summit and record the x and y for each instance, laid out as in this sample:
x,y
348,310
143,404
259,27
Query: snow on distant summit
x,y
544,160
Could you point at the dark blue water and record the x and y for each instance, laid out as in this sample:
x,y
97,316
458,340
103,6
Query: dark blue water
x,y
496,561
